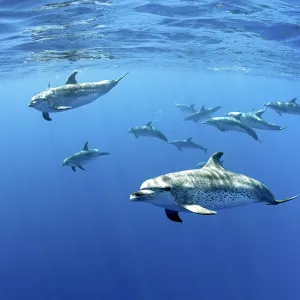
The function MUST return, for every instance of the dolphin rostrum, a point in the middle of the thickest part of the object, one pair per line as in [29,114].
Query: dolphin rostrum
[82,157]
[231,123]
[186,107]
[71,95]
[147,130]
[201,191]
[253,119]
[288,107]
[203,113]
[188,143]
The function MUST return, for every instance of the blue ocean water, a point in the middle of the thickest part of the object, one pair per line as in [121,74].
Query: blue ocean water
[67,235]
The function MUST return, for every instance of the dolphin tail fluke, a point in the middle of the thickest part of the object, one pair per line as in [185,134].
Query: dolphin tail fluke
[122,77]
[284,200]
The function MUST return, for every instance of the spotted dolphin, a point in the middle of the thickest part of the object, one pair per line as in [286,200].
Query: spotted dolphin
[186,107]
[288,107]
[71,95]
[253,119]
[202,191]
[147,130]
[83,157]
[203,113]
[188,143]
[231,123]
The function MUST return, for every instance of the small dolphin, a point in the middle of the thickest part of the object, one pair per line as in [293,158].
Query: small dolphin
[71,95]
[147,130]
[231,123]
[203,163]
[83,157]
[253,119]
[203,113]
[201,191]
[289,107]
[188,143]
[186,107]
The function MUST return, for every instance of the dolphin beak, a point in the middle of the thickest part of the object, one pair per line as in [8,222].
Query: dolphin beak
[30,104]
[141,195]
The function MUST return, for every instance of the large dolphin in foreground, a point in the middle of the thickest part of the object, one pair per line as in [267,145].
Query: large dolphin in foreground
[288,107]
[253,119]
[82,157]
[231,123]
[188,144]
[71,95]
[202,191]
[147,130]
[203,113]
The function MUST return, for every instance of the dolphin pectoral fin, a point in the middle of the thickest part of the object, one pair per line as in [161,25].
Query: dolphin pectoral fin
[72,79]
[136,135]
[46,116]
[179,149]
[61,107]
[80,167]
[197,209]
[73,168]
[279,113]
[173,215]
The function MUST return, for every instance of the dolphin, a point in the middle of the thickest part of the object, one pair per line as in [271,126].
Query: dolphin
[71,95]
[231,123]
[253,119]
[203,163]
[202,191]
[83,157]
[147,130]
[288,107]
[188,143]
[186,107]
[203,113]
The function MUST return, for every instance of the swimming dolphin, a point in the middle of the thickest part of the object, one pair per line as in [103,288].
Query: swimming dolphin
[203,113]
[231,123]
[186,107]
[83,157]
[201,191]
[188,143]
[253,119]
[203,163]
[147,130]
[289,107]
[71,95]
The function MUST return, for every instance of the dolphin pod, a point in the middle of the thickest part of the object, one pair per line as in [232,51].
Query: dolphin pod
[204,190]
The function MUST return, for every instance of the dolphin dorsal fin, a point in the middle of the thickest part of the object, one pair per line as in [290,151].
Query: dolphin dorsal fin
[260,112]
[189,139]
[202,108]
[72,79]
[86,147]
[149,124]
[192,105]
[293,100]
[214,160]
